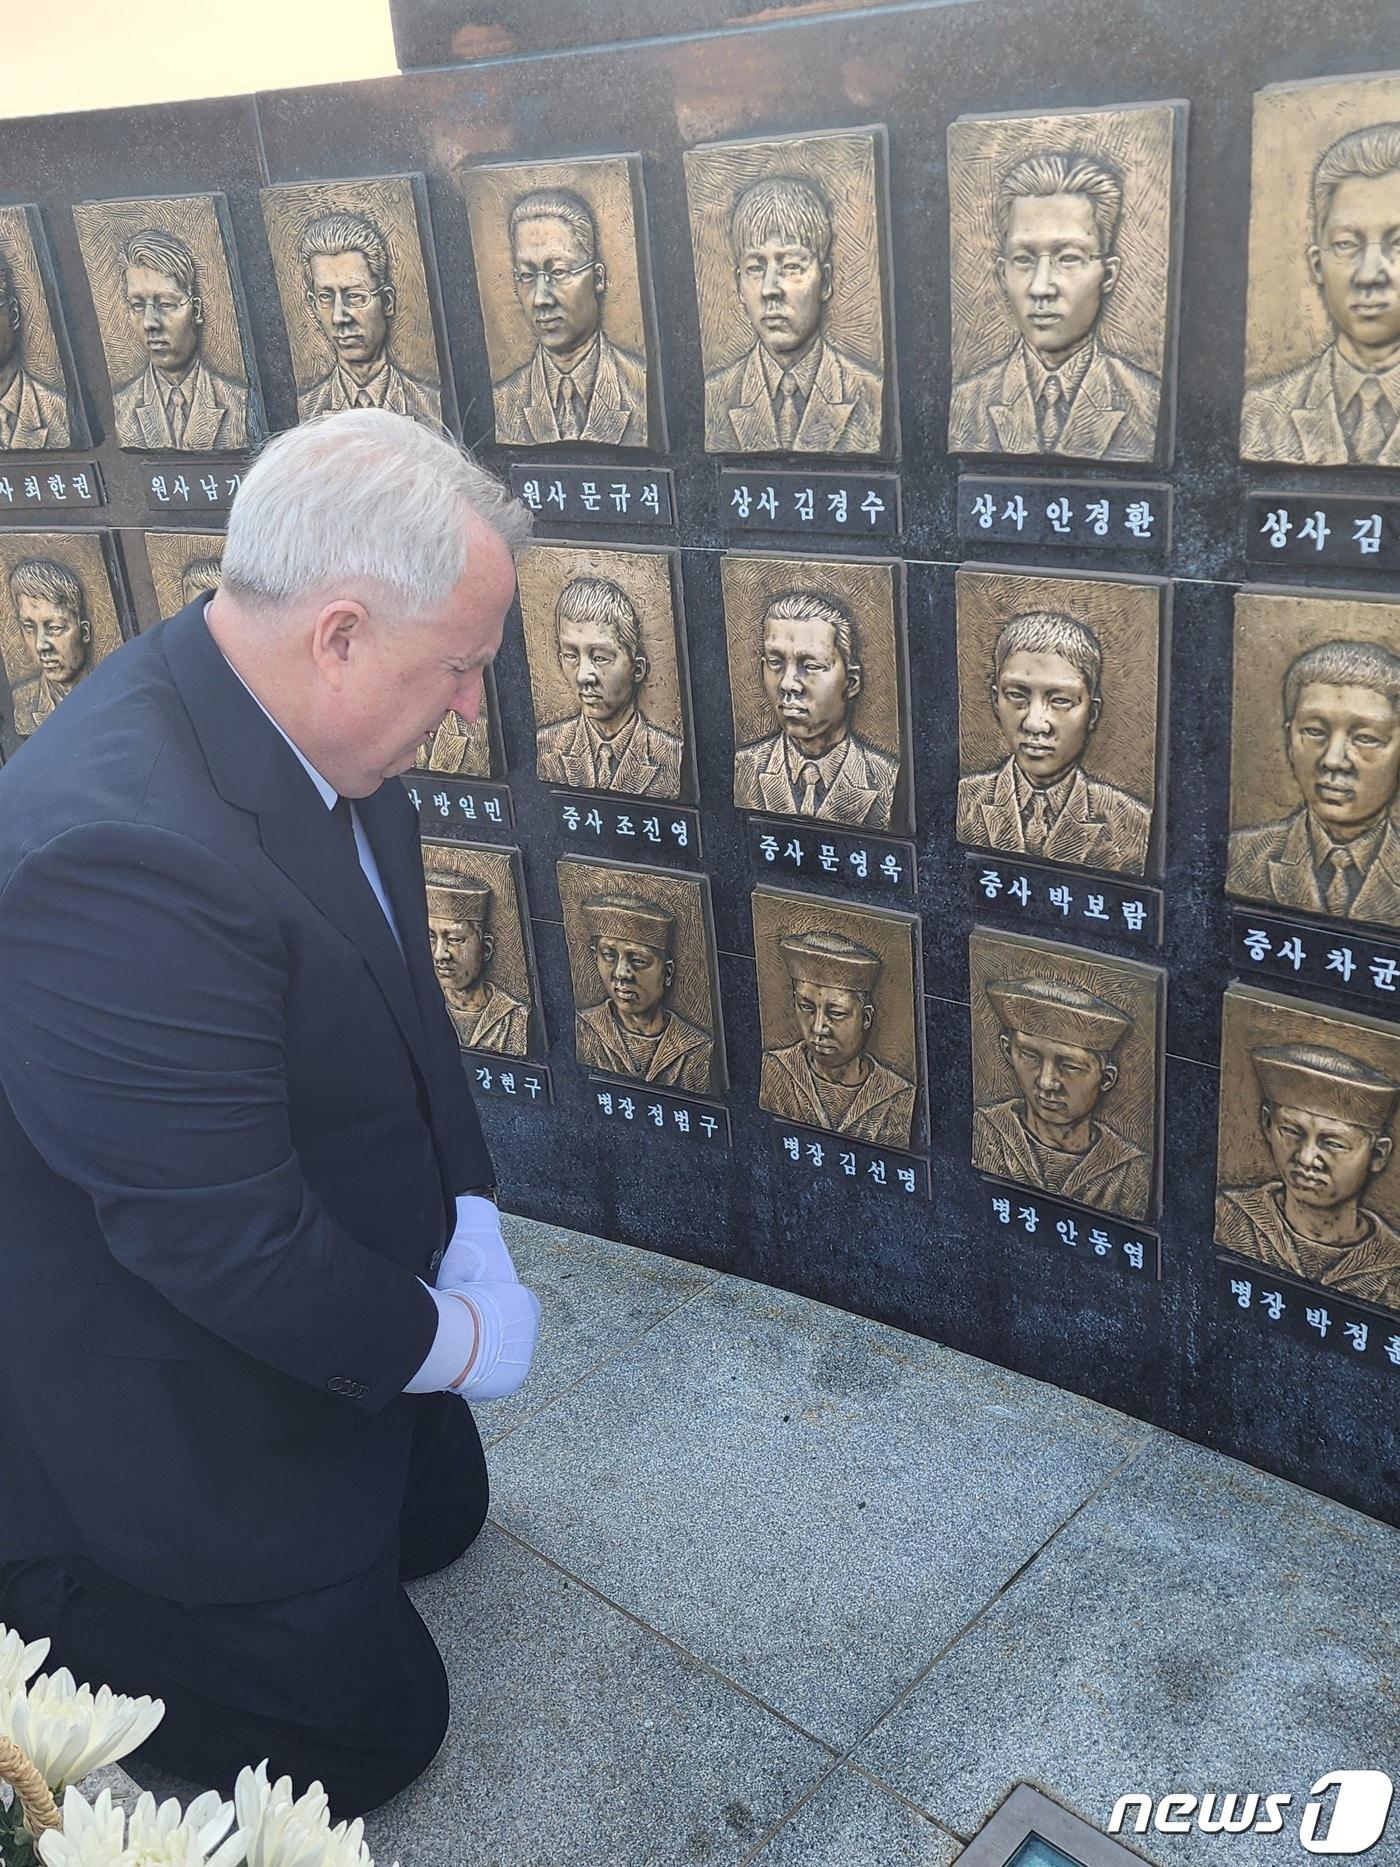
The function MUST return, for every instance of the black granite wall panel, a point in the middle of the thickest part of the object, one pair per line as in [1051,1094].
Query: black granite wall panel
[1169,1352]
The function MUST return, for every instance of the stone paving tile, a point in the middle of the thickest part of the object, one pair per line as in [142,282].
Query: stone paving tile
[812,1503]
[1199,1626]
[851,1822]
[580,1738]
[594,1298]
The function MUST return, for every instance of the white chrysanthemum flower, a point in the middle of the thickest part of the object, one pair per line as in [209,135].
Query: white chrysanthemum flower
[97,1835]
[67,1731]
[281,1830]
[18,1661]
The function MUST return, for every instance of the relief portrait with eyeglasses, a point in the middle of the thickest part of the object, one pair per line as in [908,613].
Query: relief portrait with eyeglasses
[577,385]
[1064,237]
[1060,389]
[177,401]
[1342,404]
[170,312]
[350,294]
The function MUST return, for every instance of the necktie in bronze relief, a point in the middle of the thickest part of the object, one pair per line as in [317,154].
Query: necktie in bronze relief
[1038,823]
[1052,418]
[1374,424]
[179,413]
[568,410]
[1342,862]
[809,778]
[789,414]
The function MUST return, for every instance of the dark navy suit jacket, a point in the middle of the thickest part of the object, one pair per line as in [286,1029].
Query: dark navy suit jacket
[232,1123]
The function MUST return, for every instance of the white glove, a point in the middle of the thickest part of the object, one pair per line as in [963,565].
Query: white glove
[476,1249]
[508,1320]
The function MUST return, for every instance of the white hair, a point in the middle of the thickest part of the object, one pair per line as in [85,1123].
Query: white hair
[362,497]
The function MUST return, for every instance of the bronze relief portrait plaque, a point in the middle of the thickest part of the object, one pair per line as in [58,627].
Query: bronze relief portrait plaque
[165,288]
[184,566]
[1315,755]
[356,298]
[59,615]
[39,403]
[479,932]
[1066,1071]
[466,748]
[642,962]
[790,246]
[562,269]
[1059,698]
[840,1017]
[1322,340]
[818,689]
[1307,1181]
[605,643]
[1064,235]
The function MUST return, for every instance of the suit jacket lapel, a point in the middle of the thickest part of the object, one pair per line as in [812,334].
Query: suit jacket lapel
[850,798]
[1379,895]
[1291,879]
[1013,416]
[636,771]
[391,825]
[539,410]
[751,413]
[31,430]
[150,414]
[1316,422]
[1077,835]
[1389,455]
[573,758]
[1093,420]
[254,768]
[607,412]
[1001,820]
[206,414]
[825,417]
[774,786]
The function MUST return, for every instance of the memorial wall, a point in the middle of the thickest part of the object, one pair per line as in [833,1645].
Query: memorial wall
[932,840]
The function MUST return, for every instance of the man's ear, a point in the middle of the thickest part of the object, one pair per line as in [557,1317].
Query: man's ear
[14,314]
[388,298]
[197,309]
[1108,1079]
[333,634]
[670,972]
[826,280]
[1095,709]
[853,681]
[1315,262]
[488,947]
[1111,265]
